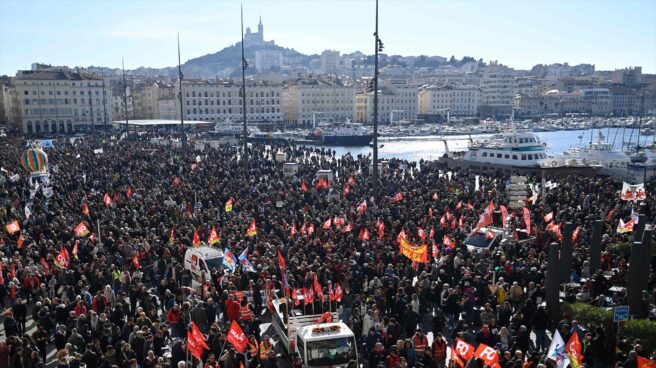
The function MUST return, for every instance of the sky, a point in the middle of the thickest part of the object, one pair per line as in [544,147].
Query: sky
[519,33]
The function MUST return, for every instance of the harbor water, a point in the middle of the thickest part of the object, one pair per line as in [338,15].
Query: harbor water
[432,147]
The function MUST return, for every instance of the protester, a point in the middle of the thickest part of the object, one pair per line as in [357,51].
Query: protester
[116,291]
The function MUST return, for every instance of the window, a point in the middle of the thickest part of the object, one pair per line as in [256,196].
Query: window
[484,154]
[530,156]
[507,156]
[523,157]
[499,155]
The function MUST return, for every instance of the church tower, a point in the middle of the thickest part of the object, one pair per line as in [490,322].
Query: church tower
[260,30]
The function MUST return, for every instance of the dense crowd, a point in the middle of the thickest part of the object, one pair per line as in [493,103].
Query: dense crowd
[126,300]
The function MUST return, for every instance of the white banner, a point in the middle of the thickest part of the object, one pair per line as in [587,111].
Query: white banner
[633,192]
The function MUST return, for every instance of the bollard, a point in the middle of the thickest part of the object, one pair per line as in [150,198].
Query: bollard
[565,262]
[553,283]
[633,288]
[595,248]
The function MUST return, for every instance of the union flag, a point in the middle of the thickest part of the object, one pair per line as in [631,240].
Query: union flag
[214,237]
[252,229]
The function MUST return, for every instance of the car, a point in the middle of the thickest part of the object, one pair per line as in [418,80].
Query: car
[490,237]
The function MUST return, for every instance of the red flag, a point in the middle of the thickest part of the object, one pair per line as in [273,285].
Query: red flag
[362,207]
[380,228]
[454,224]
[107,200]
[196,241]
[645,363]
[611,214]
[488,355]
[317,288]
[198,336]
[430,212]
[85,208]
[304,187]
[347,190]
[548,217]
[252,229]
[77,242]
[401,235]
[295,297]
[431,234]
[310,229]
[303,229]
[504,216]
[364,234]
[308,296]
[469,205]
[338,292]
[574,348]
[398,197]
[214,237]
[490,208]
[293,231]
[435,252]
[347,228]
[177,183]
[460,221]
[435,197]
[351,181]
[455,360]
[20,241]
[81,230]
[130,192]
[322,183]
[338,221]
[135,262]
[331,293]
[576,233]
[12,274]
[527,220]
[464,350]
[490,234]
[459,206]
[421,233]
[327,224]
[192,346]
[46,268]
[62,258]
[12,227]
[448,242]
[237,337]
[443,221]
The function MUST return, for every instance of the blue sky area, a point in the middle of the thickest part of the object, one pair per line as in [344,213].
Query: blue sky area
[608,33]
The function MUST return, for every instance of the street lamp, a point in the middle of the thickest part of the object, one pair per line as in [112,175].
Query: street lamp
[378,48]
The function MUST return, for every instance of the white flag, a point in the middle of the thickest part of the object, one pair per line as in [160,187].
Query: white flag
[27,212]
[557,351]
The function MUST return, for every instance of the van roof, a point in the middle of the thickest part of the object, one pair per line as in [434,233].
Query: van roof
[207,252]
[323,331]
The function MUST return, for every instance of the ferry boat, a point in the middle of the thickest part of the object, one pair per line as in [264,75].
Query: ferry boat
[613,162]
[342,134]
[514,151]
[227,129]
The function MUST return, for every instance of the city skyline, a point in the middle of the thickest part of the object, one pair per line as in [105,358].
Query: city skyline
[517,34]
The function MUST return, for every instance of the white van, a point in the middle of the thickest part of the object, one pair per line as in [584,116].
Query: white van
[203,261]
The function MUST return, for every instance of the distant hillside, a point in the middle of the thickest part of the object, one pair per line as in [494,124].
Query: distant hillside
[228,61]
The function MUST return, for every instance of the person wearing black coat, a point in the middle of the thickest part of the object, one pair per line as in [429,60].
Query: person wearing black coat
[11,326]
[377,355]
[177,353]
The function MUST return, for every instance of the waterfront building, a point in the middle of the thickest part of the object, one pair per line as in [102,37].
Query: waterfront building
[219,100]
[397,101]
[436,102]
[327,99]
[497,91]
[49,99]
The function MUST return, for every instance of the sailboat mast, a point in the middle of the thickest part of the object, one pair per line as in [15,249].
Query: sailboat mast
[182,135]
[244,65]
[125,100]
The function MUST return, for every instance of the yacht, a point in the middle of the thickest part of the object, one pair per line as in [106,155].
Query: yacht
[227,129]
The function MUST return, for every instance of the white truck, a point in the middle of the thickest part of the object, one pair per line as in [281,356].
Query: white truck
[202,261]
[329,344]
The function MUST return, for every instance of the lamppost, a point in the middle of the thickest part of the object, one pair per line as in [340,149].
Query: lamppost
[379,48]
[244,65]
[183,137]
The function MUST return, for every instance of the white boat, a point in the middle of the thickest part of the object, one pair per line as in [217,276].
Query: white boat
[613,162]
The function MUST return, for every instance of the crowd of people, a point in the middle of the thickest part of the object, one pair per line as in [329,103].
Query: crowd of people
[123,297]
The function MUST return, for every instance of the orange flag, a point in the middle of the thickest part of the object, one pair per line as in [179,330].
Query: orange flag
[252,229]
[20,241]
[12,227]
[85,209]
[107,200]
[214,237]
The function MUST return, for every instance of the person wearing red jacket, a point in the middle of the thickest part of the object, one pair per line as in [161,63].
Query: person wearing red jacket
[232,309]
